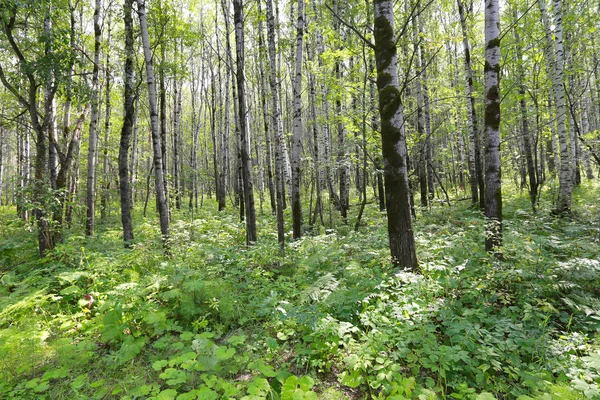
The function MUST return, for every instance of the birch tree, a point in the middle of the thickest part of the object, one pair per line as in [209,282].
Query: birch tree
[393,139]
[159,182]
[493,184]
[248,189]
[92,160]
[556,66]
[297,136]
[128,122]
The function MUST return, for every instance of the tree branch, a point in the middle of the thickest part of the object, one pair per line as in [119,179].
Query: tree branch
[351,27]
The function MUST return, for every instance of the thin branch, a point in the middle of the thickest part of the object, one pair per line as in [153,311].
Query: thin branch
[351,27]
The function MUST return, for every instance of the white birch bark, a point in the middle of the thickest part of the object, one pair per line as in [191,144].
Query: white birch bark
[493,185]
[161,198]
[556,53]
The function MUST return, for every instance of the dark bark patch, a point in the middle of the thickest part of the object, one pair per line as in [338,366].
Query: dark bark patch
[389,101]
[385,46]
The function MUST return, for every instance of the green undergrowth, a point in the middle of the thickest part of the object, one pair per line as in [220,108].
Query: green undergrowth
[329,318]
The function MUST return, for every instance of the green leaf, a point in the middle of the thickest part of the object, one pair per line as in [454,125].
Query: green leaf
[237,340]
[224,353]
[306,383]
[168,394]
[352,379]
[158,365]
[79,382]
[55,374]
[71,290]
[207,394]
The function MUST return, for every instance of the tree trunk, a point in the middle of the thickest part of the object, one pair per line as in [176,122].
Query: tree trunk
[107,111]
[555,51]
[393,139]
[531,170]
[126,130]
[493,185]
[476,175]
[297,135]
[243,123]
[93,141]
[163,122]
[163,207]
[263,103]
[277,124]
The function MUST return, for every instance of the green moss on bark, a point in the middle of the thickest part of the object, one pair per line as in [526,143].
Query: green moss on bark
[385,46]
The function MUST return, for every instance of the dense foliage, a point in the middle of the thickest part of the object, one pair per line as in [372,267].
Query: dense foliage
[329,318]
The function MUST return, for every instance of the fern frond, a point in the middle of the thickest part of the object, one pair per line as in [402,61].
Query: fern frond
[320,289]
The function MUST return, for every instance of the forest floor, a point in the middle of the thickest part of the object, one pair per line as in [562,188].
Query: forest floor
[329,318]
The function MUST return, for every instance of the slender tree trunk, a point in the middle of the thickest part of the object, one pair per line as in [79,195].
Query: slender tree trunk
[531,170]
[177,186]
[297,136]
[243,123]
[421,163]
[93,141]
[133,160]
[342,155]
[493,187]
[393,139]
[223,131]
[263,103]
[107,111]
[162,93]
[476,175]
[312,99]
[161,199]
[126,130]
[555,50]
[277,124]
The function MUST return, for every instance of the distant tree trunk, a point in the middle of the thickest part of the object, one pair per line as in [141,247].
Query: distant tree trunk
[223,131]
[312,99]
[243,123]
[161,199]
[93,141]
[342,155]
[493,186]
[133,161]
[107,111]
[277,124]
[126,130]
[393,139]
[556,53]
[263,103]
[162,93]
[476,175]
[177,136]
[230,179]
[196,116]
[421,163]
[297,136]
[531,170]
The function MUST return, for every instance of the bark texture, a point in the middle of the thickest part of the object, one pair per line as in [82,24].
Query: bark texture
[393,139]
[493,186]
[159,182]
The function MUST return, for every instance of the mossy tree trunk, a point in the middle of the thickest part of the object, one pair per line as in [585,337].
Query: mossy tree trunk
[393,139]
[126,130]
